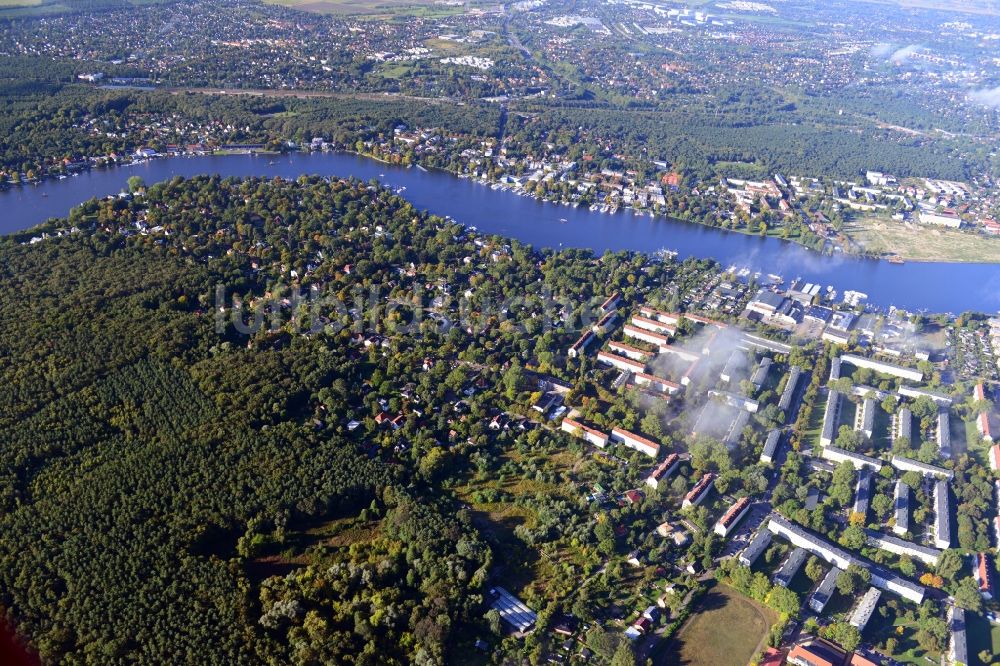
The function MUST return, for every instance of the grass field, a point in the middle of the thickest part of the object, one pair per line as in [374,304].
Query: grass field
[915,242]
[726,630]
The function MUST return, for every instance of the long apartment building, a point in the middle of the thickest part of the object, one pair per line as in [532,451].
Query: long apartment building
[620,362]
[944,434]
[699,491]
[882,578]
[653,325]
[863,611]
[884,368]
[911,465]
[902,424]
[864,418]
[660,316]
[901,498]
[958,646]
[859,460]
[658,384]
[736,400]
[760,374]
[863,492]
[821,596]
[770,446]
[942,515]
[628,351]
[592,435]
[732,516]
[785,403]
[892,544]
[663,470]
[634,441]
[580,346]
[790,566]
[756,547]
[637,333]
[830,416]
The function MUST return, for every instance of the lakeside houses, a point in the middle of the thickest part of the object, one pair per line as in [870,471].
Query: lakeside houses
[620,362]
[830,416]
[605,323]
[958,647]
[653,325]
[911,465]
[902,424]
[652,338]
[734,366]
[863,611]
[901,504]
[863,492]
[611,303]
[735,400]
[884,368]
[629,351]
[663,471]
[944,434]
[755,548]
[513,611]
[864,418]
[595,437]
[637,442]
[580,346]
[884,579]
[942,515]
[656,383]
[660,316]
[821,596]
[983,572]
[859,460]
[729,520]
[700,491]
[892,544]
[770,446]
[790,566]
[789,391]
[760,374]
[910,392]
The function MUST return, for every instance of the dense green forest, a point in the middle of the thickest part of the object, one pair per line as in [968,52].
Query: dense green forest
[163,472]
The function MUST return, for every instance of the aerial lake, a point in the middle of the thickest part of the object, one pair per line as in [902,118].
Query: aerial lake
[937,287]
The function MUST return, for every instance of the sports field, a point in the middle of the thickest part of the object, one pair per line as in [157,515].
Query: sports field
[726,629]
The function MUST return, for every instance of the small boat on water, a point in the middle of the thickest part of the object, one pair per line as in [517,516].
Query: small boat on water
[895,259]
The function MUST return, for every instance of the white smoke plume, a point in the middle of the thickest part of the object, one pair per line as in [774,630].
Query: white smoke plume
[987,96]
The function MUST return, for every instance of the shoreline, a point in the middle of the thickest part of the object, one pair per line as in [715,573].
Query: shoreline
[884,257]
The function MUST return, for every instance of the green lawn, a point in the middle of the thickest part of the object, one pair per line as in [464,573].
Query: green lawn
[726,629]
